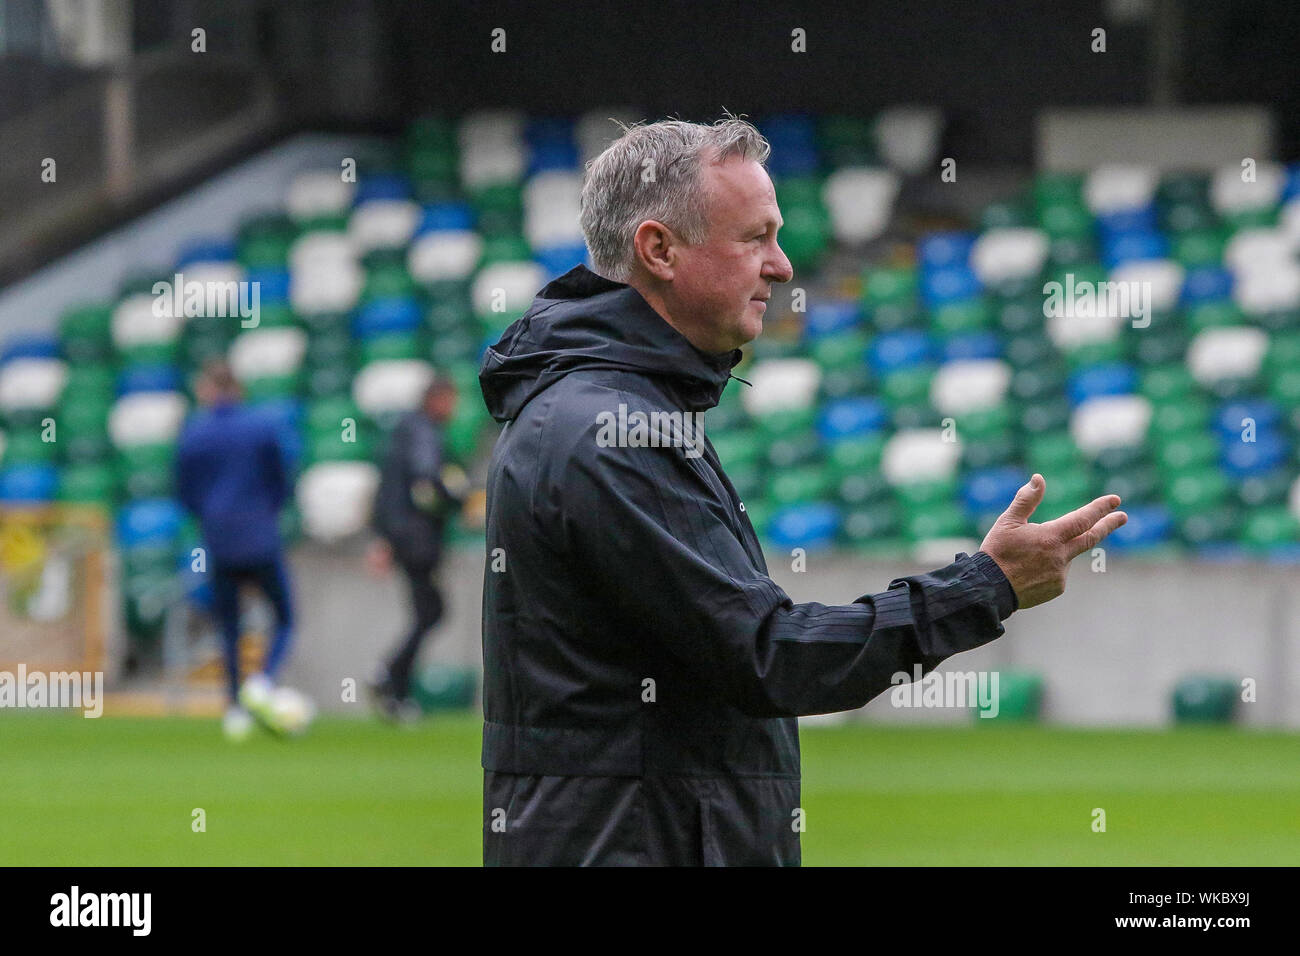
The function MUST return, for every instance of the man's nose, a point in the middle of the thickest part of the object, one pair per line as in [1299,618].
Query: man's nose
[778,269]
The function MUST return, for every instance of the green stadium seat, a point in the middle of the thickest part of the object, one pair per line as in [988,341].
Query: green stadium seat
[1200,699]
[798,485]
[442,687]
[85,334]
[1020,698]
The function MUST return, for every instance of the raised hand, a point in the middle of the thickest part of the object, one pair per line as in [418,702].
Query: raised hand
[1036,557]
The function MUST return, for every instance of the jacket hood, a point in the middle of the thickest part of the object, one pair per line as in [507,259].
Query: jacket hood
[582,321]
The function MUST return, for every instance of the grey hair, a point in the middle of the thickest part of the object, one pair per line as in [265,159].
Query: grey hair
[653,172]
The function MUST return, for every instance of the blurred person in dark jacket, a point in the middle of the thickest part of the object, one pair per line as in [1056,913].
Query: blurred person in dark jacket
[231,475]
[419,490]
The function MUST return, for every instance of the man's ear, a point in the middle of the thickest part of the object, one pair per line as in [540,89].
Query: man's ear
[655,247]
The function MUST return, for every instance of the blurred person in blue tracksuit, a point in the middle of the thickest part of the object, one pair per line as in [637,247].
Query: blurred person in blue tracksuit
[231,474]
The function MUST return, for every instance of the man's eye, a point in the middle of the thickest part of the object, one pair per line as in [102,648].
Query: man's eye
[761,235]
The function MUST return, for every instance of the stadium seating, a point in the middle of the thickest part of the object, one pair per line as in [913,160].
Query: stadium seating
[898,409]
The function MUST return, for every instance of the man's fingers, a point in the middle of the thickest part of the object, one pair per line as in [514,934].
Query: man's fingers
[1094,535]
[1081,519]
[1026,500]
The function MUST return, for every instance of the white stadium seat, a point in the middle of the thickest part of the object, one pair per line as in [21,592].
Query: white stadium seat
[444,254]
[908,137]
[1226,353]
[966,385]
[267,352]
[334,498]
[137,322]
[491,127]
[1275,289]
[1288,222]
[383,224]
[915,455]
[493,163]
[319,193]
[938,552]
[507,288]
[321,248]
[551,208]
[1011,253]
[596,129]
[334,288]
[1115,188]
[1109,421]
[1230,192]
[1261,248]
[1086,327]
[860,202]
[31,383]
[146,418]
[1162,277]
[782,385]
[391,385]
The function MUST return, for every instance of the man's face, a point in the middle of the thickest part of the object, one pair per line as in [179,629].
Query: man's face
[441,405]
[717,287]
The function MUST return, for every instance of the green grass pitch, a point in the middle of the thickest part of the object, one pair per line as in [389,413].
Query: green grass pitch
[121,791]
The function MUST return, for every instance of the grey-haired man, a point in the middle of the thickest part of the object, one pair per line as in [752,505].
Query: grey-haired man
[643,673]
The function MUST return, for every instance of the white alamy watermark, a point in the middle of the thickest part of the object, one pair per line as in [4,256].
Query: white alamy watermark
[651,430]
[190,298]
[948,689]
[1085,299]
[55,689]
[75,908]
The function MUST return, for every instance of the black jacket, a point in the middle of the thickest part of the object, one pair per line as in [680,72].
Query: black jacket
[412,502]
[642,671]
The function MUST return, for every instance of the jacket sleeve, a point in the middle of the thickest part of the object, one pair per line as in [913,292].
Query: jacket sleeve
[385,519]
[650,531]
[276,468]
[184,472]
[427,461]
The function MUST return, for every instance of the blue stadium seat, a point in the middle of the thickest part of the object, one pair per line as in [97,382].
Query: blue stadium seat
[810,526]
[383,316]
[1265,413]
[850,417]
[273,285]
[794,144]
[1148,525]
[557,260]
[831,318]
[1208,284]
[938,250]
[149,378]
[990,489]
[382,186]
[29,483]
[442,216]
[207,250]
[944,284]
[1136,219]
[1291,188]
[905,348]
[1242,459]
[549,131]
[1107,378]
[548,156]
[150,521]
[29,346]
[971,345]
[1123,247]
